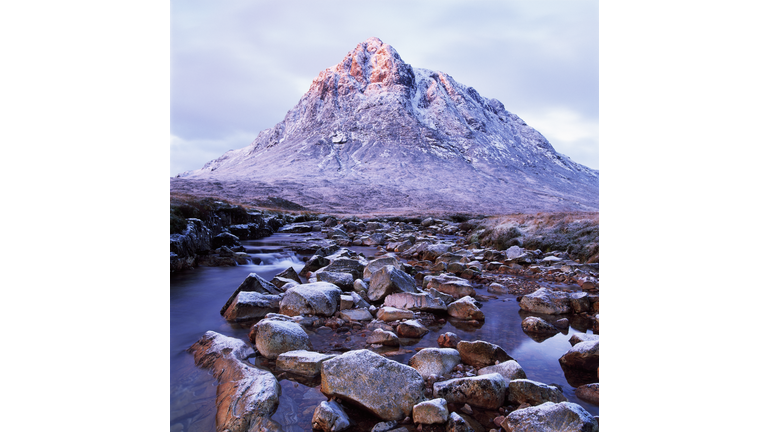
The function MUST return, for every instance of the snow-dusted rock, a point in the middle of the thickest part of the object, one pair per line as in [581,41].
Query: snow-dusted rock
[533,393]
[415,301]
[250,305]
[329,416]
[252,283]
[509,369]
[549,416]
[534,324]
[383,337]
[481,354]
[302,362]
[387,313]
[453,285]
[433,411]
[411,329]
[583,355]
[389,280]
[273,337]
[435,361]
[317,298]
[484,391]
[589,393]
[547,301]
[465,308]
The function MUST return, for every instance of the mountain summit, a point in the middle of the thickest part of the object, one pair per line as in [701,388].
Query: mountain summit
[374,134]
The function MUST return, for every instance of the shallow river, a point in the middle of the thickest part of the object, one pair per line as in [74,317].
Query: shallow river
[197,296]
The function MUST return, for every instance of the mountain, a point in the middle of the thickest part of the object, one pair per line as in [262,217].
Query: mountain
[374,134]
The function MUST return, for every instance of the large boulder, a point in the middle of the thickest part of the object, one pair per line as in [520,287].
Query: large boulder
[273,337]
[484,391]
[533,393]
[480,354]
[547,301]
[388,280]
[509,369]
[250,305]
[329,416]
[415,301]
[252,283]
[302,362]
[435,361]
[384,387]
[549,416]
[455,286]
[433,411]
[317,298]
[583,355]
[246,396]
[466,308]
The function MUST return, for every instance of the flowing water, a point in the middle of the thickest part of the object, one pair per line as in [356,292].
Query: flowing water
[197,295]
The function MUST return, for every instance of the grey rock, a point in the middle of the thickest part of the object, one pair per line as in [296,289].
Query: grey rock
[533,324]
[250,305]
[317,298]
[509,369]
[484,391]
[533,393]
[330,417]
[383,337]
[416,301]
[465,308]
[435,361]
[302,362]
[583,355]
[547,301]
[388,280]
[378,263]
[549,416]
[273,337]
[481,354]
[252,283]
[433,411]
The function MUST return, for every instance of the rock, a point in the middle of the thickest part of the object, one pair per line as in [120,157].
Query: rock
[433,411]
[330,417]
[387,314]
[562,323]
[484,391]
[346,265]
[356,315]
[582,337]
[388,280]
[431,252]
[317,298]
[533,393]
[580,302]
[283,283]
[547,301]
[273,337]
[480,354]
[246,396]
[302,362]
[346,302]
[379,263]
[587,282]
[385,387]
[453,285]
[533,324]
[344,281]
[415,301]
[448,340]
[252,283]
[383,337]
[583,355]
[225,239]
[509,369]
[435,361]
[249,305]
[465,308]
[411,329]
[549,416]
[314,263]
[589,393]
[384,426]
[462,423]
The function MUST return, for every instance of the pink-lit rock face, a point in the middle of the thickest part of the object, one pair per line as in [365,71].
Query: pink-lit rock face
[374,133]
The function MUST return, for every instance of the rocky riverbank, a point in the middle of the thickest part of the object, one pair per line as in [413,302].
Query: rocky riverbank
[338,323]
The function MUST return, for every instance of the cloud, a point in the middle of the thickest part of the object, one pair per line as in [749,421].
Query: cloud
[570,133]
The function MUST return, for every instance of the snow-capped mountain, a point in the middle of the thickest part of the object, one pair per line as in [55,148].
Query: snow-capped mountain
[374,134]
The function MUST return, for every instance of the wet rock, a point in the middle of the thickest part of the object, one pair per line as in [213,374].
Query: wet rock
[448,340]
[587,282]
[246,397]
[379,263]
[411,329]
[302,362]
[330,417]
[389,280]
[289,273]
[485,391]
[273,337]
[433,411]
[589,393]
[225,239]
[383,337]
[250,305]
[465,308]
[448,284]
[317,298]
[415,301]
[356,315]
[580,302]
[533,393]
[533,324]
[344,281]
[509,369]
[549,416]
[480,354]
[387,313]
[547,301]
[582,337]
[354,376]
[314,263]
[252,283]
[562,323]
[583,355]
[435,361]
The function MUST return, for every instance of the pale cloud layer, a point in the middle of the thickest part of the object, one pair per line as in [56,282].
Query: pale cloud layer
[237,67]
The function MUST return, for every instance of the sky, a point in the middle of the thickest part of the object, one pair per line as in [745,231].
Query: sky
[237,67]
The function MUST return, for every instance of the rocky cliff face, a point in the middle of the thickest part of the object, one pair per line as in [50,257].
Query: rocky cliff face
[375,134]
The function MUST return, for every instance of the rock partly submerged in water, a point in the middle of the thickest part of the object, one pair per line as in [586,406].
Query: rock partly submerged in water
[273,337]
[533,392]
[246,396]
[480,354]
[583,355]
[485,391]
[549,416]
[509,369]
[384,387]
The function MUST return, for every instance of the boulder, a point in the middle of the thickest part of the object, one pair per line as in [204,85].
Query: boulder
[387,313]
[433,411]
[582,337]
[466,308]
[344,281]
[355,315]
[250,305]
[384,387]
[435,361]
[383,337]
[484,391]
[317,298]
[252,283]
[246,396]
[415,301]
[509,369]
[533,324]
[302,362]
[224,239]
[455,286]
[388,280]
[379,263]
[411,329]
[547,301]
[533,393]
[273,337]
[589,393]
[352,266]
[583,355]
[549,416]
[329,416]
[480,354]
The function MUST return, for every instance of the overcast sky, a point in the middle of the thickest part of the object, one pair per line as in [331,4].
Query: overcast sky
[237,67]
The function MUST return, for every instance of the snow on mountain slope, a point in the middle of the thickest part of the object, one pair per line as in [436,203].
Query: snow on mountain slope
[374,134]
